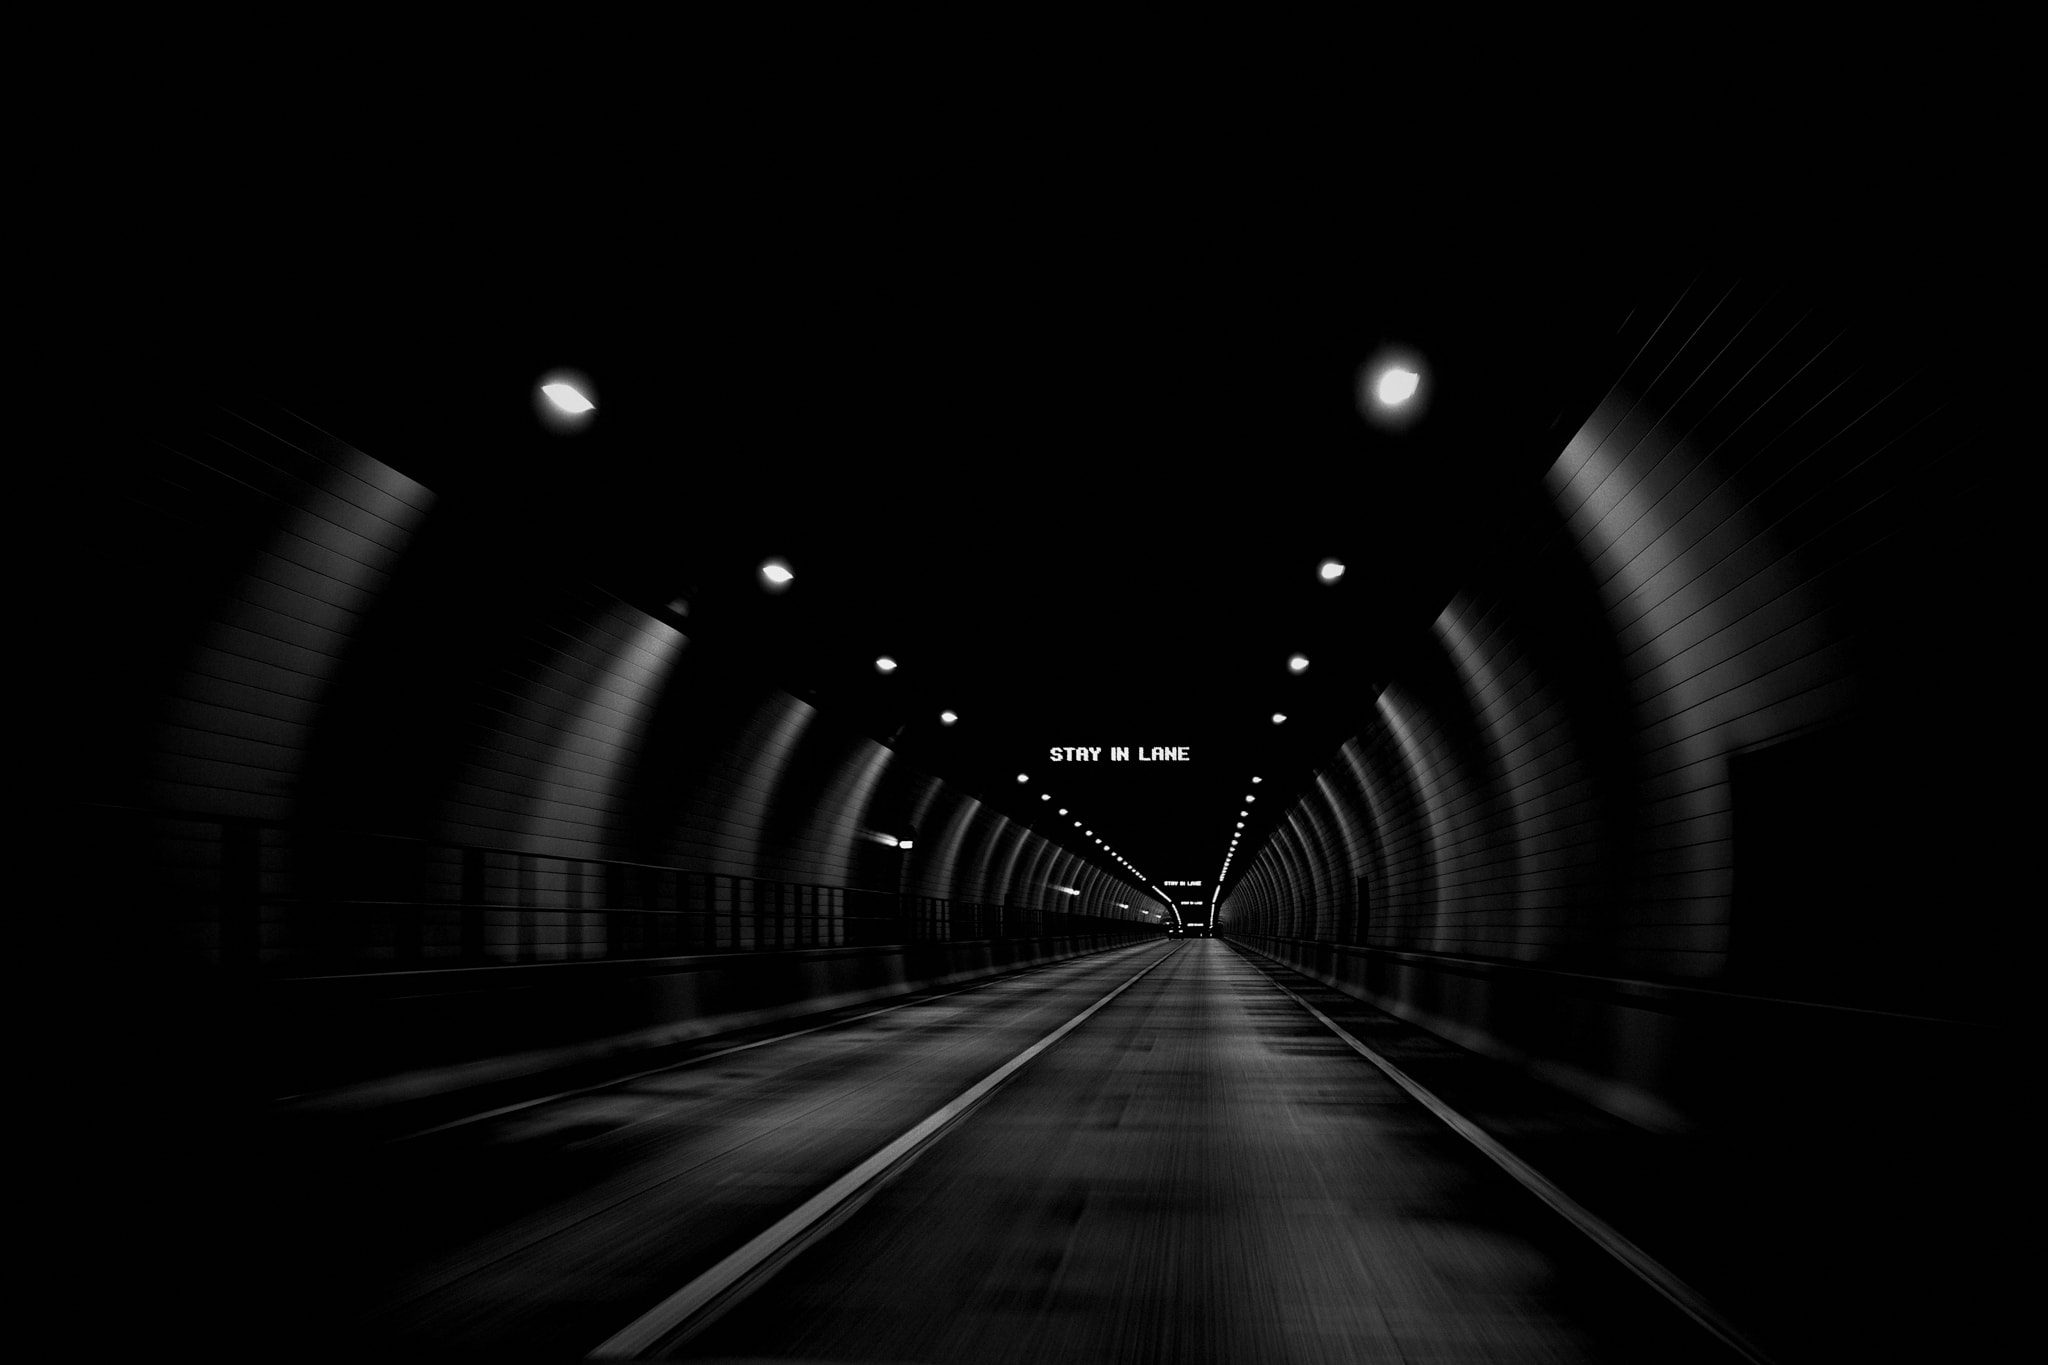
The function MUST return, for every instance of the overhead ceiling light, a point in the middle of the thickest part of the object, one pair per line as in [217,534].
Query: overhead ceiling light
[1397,386]
[563,401]
[1330,571]
[1279,719]
[568,398]
[775,574]
[1250,797]
[1047,796]
[1063,810]
[885,664]
[947,717]
[1391,390]
[1258,779]
[1023,777]
[1297,664]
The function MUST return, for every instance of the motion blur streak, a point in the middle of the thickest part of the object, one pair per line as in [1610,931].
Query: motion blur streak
[1203,1173]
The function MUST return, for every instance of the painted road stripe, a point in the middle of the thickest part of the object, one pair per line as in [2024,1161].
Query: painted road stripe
[675,1311]
[618,1081]
[1650,1271]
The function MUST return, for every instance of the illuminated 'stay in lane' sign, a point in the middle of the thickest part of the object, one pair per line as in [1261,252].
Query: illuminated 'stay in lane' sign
[1122,753]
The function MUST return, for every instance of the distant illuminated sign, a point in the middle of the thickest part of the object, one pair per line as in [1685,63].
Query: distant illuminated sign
[1120,753]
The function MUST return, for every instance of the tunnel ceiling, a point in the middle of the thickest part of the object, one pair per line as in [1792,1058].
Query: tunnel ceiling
[1082,506]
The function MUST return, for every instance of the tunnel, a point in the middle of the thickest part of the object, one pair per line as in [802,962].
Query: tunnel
[1102,811]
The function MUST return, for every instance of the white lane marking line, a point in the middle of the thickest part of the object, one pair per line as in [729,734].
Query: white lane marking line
[678,1308]
[1646,1268]
[503,1110]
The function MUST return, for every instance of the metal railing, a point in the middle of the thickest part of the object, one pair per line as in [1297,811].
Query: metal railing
[287,898]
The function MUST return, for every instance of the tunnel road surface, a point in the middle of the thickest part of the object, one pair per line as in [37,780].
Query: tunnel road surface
[1151,1154]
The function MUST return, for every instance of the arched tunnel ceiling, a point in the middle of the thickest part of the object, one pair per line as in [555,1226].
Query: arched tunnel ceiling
[1082,508]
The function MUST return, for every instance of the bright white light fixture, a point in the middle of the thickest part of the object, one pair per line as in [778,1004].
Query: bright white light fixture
[885,664]
[564,401]
[1391,394]
[1279,719]
[1297,664]
[1023,777]
[947,717]
[1330,571]
[567,398]
[775,574]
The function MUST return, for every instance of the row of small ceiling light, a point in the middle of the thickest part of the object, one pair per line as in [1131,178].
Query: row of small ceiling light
[566,403]
[1328,572]
[776,575]
[1392,391]
[1395,387]
[1107,849]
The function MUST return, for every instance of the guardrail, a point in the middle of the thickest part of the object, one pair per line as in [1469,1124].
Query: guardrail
[277,897]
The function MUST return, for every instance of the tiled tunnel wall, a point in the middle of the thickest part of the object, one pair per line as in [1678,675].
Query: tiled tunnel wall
[351,728]
[1699,740]
[367,667]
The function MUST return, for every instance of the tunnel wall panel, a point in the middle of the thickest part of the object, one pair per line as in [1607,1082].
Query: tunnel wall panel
[380,734]
[1709,570]
[834,823]
[450,720]
[234,726]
